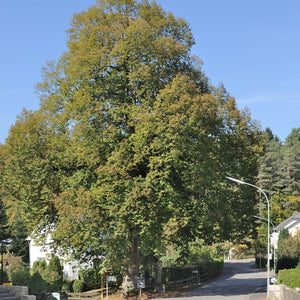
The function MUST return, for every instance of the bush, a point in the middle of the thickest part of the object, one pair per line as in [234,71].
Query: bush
[17,271]
[21,277]
[215,267]
[78,286]
[286,262]
[52,279]
[14,264]
[67,286]
[54,275]
[37,285]
[39,264]
[5,276]
[290,278]
[90,278]
[55,266]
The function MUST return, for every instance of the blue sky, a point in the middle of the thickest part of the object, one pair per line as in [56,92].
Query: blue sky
[252,47]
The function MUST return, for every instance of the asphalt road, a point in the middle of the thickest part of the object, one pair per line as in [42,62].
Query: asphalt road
[240,281]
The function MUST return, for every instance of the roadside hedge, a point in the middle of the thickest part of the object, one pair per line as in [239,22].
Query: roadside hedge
[289,277]
[286,262]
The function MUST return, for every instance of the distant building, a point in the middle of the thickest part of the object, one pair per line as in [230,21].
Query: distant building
[70,267]
[292,224]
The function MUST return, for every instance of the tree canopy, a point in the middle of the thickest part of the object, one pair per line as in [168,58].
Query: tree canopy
[131,143]
[279,172]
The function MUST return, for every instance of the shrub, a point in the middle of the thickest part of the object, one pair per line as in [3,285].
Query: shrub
[54,274]
[215,267]
[261,261]
[290,278]
[39,264]
[14,263]
[17,272]
[286,262]
[52,279]
[67,286]
[5,276]
[55,266]
[90,278]
[37,285]
[21,277]
[78,286]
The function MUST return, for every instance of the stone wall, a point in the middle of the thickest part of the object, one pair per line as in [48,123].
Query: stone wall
[282,292]
[287,293]
[274,292]
[19,291]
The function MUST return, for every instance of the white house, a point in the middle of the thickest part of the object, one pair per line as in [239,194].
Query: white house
[70,267]
[292,224]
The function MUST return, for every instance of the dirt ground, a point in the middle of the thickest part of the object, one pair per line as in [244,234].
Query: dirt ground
[150,294]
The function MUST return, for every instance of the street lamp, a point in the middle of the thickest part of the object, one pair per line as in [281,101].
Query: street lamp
[2,262]
[268,259]
[274,243]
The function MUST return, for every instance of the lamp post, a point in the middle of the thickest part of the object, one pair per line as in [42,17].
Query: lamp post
[2,262]
[257,217]
[268,204]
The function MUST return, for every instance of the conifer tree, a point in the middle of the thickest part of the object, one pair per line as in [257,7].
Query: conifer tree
[291,170]
[19,245]
[270,163]
[4,228]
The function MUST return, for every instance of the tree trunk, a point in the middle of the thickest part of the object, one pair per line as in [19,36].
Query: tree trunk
[130,279]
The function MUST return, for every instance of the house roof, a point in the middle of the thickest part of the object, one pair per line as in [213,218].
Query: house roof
[289,223]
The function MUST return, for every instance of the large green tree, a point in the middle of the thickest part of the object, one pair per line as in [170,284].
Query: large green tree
[130,146]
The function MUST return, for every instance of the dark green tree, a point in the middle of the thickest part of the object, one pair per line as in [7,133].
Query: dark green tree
[270,165]
[19,244]
[4,228]
[291,169]
[55,267]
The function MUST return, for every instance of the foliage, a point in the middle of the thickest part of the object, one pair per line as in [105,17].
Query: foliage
[128,151]
[211,268]
[199,253]
[56,274]
[290,278]
[91,278]
[279,173]
[215,267]
[21,276]
[39,264]
[287,262]
[78,286]
[261,261]
[210,259]
[17,271]
[205,258]
[52,279]
[55,265]
[52,274]
[37,285]
[4,228]
[19,245]
[5,276]
[14,262]
[67,286]
[287,245]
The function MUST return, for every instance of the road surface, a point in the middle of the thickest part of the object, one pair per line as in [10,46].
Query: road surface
[241,281]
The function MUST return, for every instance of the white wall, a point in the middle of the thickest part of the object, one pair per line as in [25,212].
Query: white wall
[70,267]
